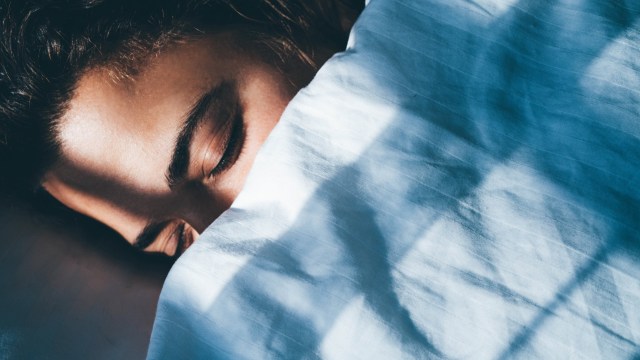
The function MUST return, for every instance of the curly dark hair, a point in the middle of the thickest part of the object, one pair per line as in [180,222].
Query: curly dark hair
[46,45]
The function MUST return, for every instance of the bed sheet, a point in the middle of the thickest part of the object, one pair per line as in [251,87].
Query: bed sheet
[461,182]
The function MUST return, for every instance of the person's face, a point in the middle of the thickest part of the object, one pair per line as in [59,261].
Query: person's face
[160,156]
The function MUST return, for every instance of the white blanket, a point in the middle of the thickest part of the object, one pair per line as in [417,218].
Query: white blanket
[462,182]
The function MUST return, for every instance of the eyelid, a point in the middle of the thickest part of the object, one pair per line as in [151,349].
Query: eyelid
[226,135]
[218,103]
[150,234]
[185,235]
[174,239]
[160,237]
[215,147]
[234,143]
[179,234]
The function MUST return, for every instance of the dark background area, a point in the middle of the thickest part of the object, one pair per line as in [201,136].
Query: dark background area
[70,288]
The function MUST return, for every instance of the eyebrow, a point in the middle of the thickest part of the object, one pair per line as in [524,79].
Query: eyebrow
[149,234]
[179,165]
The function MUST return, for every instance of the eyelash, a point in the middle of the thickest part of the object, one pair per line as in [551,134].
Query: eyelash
[179,234]
[232,151]
[180,237]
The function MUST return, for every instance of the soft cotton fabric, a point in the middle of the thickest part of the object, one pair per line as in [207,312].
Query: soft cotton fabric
[461,182]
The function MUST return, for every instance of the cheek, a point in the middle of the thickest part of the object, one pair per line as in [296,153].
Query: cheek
[128,224]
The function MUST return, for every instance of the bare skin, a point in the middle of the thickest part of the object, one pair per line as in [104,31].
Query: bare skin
[119,140]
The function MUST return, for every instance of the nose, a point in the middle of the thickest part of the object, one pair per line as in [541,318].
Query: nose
[204,209]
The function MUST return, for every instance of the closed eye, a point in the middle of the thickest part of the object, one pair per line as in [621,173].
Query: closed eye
[234,142]
[171,237]
[220,105]
[149,234]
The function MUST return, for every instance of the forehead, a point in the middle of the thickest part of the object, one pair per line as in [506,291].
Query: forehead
[124,129]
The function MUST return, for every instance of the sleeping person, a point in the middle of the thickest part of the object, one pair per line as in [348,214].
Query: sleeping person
[460,182]
[147,115]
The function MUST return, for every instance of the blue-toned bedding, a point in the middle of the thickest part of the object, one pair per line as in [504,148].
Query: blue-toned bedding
[461,182]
